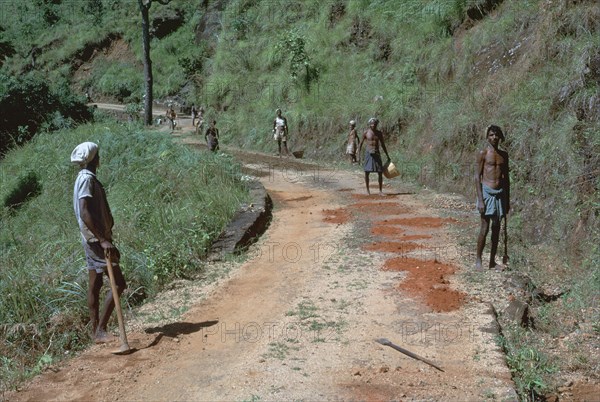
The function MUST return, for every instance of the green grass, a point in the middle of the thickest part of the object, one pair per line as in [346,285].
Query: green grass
[169,203]
[305,310]
[531,368]
[278,350]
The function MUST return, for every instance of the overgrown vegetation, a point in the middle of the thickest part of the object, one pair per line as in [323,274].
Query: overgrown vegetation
[435,72]
[30,104]
[169,204]
[531,368]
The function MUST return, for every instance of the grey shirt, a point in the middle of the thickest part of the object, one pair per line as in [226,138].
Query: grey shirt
[88,186]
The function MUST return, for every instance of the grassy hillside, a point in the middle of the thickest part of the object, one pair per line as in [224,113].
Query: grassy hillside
[435,72]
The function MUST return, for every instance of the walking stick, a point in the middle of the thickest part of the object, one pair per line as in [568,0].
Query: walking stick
[124,349]
[505,236]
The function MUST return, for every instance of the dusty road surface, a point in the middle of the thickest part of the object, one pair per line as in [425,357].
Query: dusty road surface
[298,318]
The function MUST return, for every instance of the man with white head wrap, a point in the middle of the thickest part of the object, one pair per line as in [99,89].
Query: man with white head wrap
[84,153]
[373,138]
[95,224]
[352,142]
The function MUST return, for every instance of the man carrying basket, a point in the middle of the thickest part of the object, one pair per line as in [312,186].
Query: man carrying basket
[373,138]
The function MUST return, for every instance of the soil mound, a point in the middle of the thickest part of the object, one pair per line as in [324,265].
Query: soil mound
[428,280]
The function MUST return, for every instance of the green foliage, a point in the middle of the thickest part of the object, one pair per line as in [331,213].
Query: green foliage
[292,45]
[29,103]
[169,203]
[95,9]
[530,366]
[121,80]
[6,48]
[27,187]
[192,66]
[133,110]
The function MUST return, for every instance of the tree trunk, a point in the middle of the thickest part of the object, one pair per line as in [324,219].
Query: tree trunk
[148,98]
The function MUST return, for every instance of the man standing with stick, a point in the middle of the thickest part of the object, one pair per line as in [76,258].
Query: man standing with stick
[95,224]
[493,194]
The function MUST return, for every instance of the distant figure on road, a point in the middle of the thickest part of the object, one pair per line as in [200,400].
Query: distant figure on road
[212,136]
[200,121]
[95,224]
[373,137]
[493,194]
[352,142]
[194,112]
[171,116]
[280,132]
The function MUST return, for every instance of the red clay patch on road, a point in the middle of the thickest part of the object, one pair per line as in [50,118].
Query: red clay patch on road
[415,237]
[424,222]
[339,215]
[380,208]
[387,230]
[392,246]
[428,280]
[396,233]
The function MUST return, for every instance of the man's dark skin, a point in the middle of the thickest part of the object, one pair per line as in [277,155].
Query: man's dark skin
[285,133]
[100,321]
[352,136]
[372,137]
[492,170]
[214,132]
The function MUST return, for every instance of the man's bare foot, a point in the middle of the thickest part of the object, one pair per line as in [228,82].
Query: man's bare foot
[103,337]
[496,266]
[478,265]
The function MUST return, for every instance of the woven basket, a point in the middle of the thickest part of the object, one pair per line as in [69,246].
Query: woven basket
[390,171]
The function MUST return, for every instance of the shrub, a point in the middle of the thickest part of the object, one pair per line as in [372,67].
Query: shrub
[29,103]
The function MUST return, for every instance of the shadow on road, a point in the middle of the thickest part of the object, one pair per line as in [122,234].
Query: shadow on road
[180,328]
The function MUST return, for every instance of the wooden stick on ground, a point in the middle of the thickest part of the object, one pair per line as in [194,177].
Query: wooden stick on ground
[386,342]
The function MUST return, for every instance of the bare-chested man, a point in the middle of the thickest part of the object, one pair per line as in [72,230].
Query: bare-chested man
[373,138]
[212,136]
[171,116]
[493,193]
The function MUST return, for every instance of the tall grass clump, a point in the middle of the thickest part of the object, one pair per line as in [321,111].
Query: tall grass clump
[169,203]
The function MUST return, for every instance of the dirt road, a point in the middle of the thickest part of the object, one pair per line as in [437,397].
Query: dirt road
[297,320]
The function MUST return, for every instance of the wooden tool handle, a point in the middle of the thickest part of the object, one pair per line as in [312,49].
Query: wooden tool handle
[115,293]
